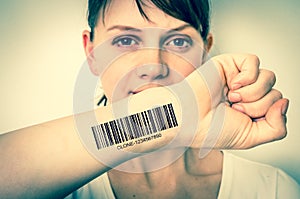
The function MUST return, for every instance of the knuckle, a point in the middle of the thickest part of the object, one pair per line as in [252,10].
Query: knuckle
[271,78]
[254,58]
[254,111]
[277,94]
[268,76]
[282,134]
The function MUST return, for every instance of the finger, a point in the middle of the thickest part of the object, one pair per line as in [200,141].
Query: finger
[273,127]
[253,92]
[240,132]
[248,65]
[259,108]
[239,69]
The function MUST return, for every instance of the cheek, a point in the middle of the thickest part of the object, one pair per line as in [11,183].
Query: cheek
[114,87]
[184,68]
[109,80]
[183,64]
[116,77]
[107,85]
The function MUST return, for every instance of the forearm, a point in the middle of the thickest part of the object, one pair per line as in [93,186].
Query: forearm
[49,159]
[45,160]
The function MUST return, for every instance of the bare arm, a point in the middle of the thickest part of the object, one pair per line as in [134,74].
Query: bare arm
[49,160]
[45,160]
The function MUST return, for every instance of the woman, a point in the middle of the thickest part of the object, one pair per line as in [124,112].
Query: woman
[130,26]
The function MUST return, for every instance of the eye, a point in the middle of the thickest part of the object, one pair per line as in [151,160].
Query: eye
[178,43]
[130,42]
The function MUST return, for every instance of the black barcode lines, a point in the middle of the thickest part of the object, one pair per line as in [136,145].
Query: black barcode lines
[134,126]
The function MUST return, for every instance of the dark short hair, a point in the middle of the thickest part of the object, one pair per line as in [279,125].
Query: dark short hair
[194,12]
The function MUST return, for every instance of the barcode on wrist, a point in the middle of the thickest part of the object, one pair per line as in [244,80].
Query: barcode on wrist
[134,126]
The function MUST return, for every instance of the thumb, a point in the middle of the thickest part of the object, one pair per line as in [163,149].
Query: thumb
[230,129]
[274,125]
[248,133]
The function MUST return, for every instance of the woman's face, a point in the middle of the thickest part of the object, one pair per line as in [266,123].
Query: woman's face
[131,54]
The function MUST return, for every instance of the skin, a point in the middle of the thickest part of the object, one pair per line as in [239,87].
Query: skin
[139,70]
[113,79]
[48,160]
[134,82]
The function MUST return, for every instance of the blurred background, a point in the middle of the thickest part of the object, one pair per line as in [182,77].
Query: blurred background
[41,54]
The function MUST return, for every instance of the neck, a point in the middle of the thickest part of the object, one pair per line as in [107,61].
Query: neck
[188,159]
[211,164]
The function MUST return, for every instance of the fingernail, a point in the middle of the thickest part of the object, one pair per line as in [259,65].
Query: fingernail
[238,107]
[236,86]
[235,97]
[284,107]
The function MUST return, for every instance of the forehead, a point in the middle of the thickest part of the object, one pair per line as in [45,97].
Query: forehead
[126,12]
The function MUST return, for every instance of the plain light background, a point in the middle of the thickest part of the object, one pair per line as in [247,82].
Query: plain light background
[41,53]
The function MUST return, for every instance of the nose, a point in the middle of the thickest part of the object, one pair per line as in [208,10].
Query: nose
[152,71]
[153,67]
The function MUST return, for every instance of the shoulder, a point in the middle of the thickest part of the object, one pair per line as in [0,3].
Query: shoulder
[251,179]
[287,187]
[98,188]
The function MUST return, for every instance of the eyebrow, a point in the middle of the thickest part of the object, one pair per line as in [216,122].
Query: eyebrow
[129,28]
[182,27]
[122,27]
